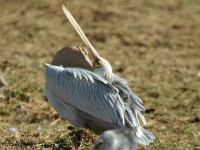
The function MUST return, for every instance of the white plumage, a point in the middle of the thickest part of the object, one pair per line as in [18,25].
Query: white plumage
[94,98]
[88,100]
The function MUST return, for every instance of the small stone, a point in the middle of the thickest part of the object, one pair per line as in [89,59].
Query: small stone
[119,69]
[198,74]
[13,130]
[149,110]
[195,120]
[2,97]
[56,145]
[22,108]
[39,129]
[2,82]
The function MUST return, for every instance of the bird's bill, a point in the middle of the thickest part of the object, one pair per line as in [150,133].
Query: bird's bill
[80,32]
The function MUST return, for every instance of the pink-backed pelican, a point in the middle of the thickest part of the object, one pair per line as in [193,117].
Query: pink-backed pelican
[90,95]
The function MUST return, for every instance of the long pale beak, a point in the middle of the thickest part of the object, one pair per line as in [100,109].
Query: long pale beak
[80,32]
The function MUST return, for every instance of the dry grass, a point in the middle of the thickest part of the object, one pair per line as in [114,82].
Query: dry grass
[154,45]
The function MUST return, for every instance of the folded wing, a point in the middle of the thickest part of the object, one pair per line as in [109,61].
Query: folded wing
[87,100]
[84,91]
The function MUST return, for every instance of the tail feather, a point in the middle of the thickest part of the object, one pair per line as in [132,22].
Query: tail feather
[144,136]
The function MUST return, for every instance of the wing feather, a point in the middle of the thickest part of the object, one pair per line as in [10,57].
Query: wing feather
[92,96]
[87,100]
[132,101]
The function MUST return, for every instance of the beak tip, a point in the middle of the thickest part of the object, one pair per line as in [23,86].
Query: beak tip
[45,64]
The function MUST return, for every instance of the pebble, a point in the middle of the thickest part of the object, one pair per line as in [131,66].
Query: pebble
[198,74]
[39,129]
[2,82]
[22,108]
[56,145]
[13,130]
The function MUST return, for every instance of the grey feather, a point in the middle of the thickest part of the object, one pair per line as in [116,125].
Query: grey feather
[76,92]
[129,97]
[87,100]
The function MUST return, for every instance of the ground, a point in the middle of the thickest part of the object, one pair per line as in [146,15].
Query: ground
[154,45]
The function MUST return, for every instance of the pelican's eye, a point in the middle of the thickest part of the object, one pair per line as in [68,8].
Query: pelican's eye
[98,63]
[99,144]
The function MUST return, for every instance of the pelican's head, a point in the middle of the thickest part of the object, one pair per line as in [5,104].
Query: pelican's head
[117,139]
[100,66]
[78,57]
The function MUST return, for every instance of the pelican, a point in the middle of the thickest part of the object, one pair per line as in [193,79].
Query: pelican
[89,95]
